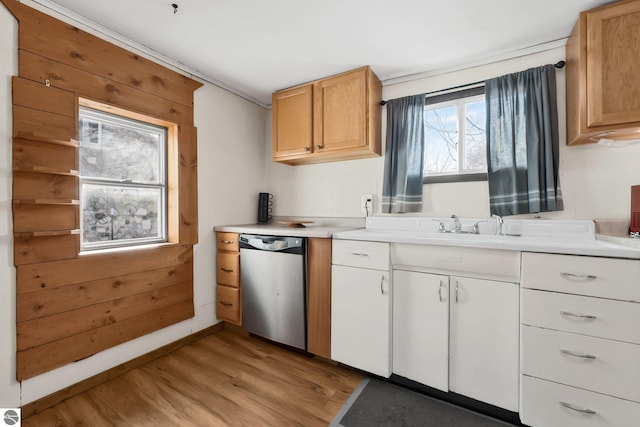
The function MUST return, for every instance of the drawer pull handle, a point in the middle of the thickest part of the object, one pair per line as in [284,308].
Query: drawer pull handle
[227,242]
[579,316]
[579,276]
[359,254]
[581,355]
[577,409]
[226,270]
[226,304]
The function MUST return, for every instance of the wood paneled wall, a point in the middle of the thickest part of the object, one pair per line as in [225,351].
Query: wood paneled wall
[71,305]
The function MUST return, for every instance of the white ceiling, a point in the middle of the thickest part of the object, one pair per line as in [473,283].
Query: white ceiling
[255,47]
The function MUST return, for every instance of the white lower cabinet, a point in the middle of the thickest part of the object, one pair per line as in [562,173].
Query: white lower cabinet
[484,341]
[361,318]
[549,404]
[421,328]
[459,334]
[580,341]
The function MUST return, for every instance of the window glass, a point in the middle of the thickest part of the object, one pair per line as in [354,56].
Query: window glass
[475,150]
[122,180]
[441,135]
[455,143]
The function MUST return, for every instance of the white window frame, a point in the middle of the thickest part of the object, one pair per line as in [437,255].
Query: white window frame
[458,99]
[108,117]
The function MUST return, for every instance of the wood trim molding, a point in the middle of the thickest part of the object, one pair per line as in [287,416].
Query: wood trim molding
[77,388]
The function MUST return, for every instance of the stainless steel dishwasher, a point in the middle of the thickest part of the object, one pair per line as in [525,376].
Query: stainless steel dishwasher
[272,271]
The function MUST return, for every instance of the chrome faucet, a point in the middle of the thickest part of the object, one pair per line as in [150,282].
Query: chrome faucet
[499,222]
[457,227]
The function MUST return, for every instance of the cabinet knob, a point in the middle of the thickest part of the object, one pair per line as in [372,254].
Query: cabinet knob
[319,147]
[307,149]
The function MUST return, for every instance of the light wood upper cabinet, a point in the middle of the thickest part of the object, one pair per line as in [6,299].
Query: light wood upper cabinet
[340,110]
[292,112]
[603,85]
[337,118]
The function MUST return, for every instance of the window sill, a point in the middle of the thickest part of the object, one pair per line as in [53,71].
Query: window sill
[128,249]
[468,177]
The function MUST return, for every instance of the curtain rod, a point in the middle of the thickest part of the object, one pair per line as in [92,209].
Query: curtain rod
[559,64]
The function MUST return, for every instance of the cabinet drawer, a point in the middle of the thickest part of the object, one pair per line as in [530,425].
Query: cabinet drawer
[582,275]
[228,304]
[361,254]
[228,269]
[599,365]
[228,242]
[542,406]
[489,264]
[603,318]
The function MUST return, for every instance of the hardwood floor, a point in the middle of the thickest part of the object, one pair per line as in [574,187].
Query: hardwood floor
[224,379]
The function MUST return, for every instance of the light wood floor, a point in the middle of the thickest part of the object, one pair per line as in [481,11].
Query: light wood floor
[222,379]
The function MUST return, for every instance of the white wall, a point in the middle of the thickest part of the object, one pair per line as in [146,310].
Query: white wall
[594,180]
[230,174]
[9,387]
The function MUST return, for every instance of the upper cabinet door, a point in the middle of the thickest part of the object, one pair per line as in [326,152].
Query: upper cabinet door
[336,118]
[340,112]
[292,111]
[613,60]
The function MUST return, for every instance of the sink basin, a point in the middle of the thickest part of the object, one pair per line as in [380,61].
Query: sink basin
[538,235]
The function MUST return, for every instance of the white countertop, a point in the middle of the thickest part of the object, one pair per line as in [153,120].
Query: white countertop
[320,227]
[548,236]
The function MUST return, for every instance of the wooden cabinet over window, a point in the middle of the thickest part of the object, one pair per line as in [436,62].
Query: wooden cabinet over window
[603,83]
[337,118]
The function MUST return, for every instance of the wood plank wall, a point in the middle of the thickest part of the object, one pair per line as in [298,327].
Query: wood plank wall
[70,306]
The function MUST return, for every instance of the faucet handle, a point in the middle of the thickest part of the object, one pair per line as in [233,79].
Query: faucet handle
[476,229]
[499,222]
[441,228]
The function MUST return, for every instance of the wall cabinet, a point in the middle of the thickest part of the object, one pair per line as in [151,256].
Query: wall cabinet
[580,343]
[459,334]
[228,292]
[337,118]
[361,306]
[603,56]
[292,117]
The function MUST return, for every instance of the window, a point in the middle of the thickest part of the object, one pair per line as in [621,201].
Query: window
[455,143]
[123,180]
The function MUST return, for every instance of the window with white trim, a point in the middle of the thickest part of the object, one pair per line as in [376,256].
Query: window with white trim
[455,140]
[123,180]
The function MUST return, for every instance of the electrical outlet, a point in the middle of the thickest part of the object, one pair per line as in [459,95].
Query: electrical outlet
[366,204]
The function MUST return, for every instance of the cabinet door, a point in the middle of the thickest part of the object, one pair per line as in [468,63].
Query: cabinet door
[360,319]
[292,122]
[340,112]
[484,341]
[613,59]
[421,328]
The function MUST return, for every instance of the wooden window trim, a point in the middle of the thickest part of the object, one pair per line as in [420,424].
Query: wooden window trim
[173,156]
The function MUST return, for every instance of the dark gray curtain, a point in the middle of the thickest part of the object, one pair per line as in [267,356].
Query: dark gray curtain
[404,155]
[522,142]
